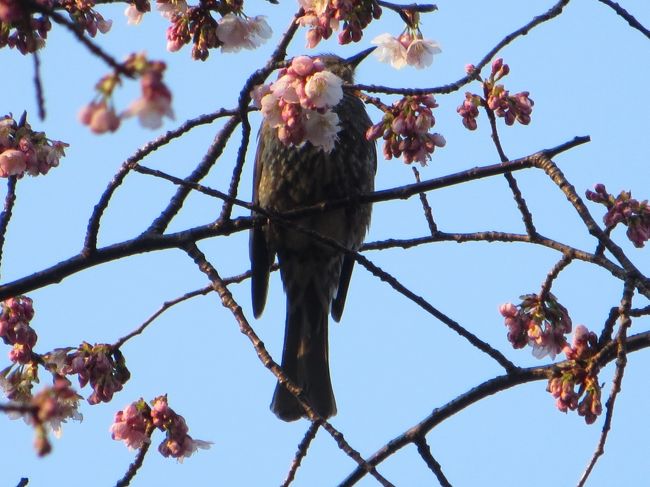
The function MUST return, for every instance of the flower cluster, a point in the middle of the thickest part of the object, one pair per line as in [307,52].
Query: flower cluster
[18,379]
[624,209]
[323,17]
[563,389]
[580,380]
[135,423]
[24,151]
[511,108]
[51,407]
[19,29]
[543,325]
[405,129]
[132,425]
[469,110]
[101,366]
[86,17]
[539,323]
[15,315]
[233,32]
[154,104]
[410,48]
[298,104]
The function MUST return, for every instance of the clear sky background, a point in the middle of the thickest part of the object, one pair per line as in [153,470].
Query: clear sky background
[391,363]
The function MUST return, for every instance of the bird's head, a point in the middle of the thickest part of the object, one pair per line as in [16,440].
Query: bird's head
[344,68]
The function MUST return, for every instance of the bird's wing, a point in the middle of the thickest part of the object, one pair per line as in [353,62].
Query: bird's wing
[260,255]
[348,261]
[344,282]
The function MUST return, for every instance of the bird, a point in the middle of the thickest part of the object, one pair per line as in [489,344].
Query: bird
[315,275]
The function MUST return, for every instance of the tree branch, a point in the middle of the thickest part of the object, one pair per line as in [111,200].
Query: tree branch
[487,388]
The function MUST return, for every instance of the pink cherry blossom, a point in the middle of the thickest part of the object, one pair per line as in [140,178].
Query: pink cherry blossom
[130,425]
[298,104]
[420,53]
[236,32]
[12,163]
[178,443]
[271,110]
[99,117]
[321,129]
[169,8]
[133,15]
[390,50]
[155,102]
[323,89]
[408,49]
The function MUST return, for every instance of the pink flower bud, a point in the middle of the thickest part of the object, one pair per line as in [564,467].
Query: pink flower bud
[508,310]
[496,65]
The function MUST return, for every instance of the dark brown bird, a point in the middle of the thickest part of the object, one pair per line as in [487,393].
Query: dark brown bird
[315,276]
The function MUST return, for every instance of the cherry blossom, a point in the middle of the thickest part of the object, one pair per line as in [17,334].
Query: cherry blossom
[25,151]
[131,424]
[298,104]
[236,32]
[12,162]
[133,15]
[99,117]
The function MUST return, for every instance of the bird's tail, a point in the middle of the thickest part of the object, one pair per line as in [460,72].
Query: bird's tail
[305,355]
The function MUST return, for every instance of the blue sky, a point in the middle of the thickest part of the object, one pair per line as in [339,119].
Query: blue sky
[392,363]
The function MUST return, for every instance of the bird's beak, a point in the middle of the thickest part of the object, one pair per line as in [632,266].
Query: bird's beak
[355,60]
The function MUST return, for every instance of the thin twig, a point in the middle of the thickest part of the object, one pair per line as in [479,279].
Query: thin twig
[627,16]
[415,7]
[621,362]
[512,182]
[229,303]
[137,463]
[556,175]
[600,248]
[256,78]
[432,463]
[173,302]
[38,85]
[401,192]
[643,286]
[429,308]
[310,434]
[214,152]
[376,271]
[640,311]
[90,243]
[478,393]
[608,327]
[79,34]
[20,408]
[457,85]
[5,216]
[552,275]
[22,482]
[149,242]
[428,215]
